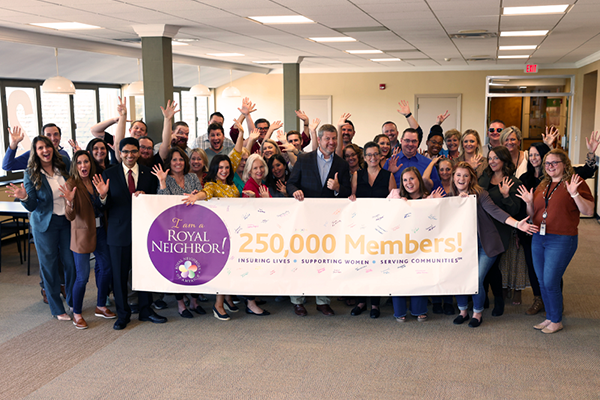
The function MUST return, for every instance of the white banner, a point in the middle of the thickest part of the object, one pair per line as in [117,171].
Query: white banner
[373,247]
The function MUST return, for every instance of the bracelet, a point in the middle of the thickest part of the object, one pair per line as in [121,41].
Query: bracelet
[408,115]
[517,225]
[576,194]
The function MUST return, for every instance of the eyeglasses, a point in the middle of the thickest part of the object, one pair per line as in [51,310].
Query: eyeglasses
[408,141]
[497,130]
[126,152]
[552,163]
[146,148]
[371,155]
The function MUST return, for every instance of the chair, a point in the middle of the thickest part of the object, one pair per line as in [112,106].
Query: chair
[13,226]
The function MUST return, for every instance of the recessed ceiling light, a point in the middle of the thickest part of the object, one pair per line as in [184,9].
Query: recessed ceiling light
[332,39]
[385,59]
[178,43]
[523,33]
[66,26]
[282,19]
[266,62]
[364,51]
[555,9]
[521,56]
[225,54]
[527,47]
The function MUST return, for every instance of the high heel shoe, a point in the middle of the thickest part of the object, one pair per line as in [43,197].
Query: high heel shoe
[264,313]
[230,308]
[218,315]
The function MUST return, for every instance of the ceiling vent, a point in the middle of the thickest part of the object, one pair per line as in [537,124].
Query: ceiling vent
[475,34]
[480,58]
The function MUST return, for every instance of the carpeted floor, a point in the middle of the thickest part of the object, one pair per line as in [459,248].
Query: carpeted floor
[286,357]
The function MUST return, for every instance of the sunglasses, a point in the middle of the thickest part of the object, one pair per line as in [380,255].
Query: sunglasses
[498,130]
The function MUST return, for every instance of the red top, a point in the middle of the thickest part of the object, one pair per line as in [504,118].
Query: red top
[253,186]
[563,214]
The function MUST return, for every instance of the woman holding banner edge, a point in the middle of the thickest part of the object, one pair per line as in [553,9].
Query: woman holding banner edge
[490,244]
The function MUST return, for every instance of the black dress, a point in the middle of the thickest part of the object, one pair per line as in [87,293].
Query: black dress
[380,188]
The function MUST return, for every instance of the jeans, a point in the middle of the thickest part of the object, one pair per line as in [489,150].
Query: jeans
[485,263]
[418,305]
[551,256]
[103,272]
[50,246]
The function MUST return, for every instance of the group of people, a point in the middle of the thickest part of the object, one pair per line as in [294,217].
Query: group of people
[527,214]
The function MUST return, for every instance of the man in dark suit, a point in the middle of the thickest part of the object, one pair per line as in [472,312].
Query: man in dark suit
[320,173]
[123,181]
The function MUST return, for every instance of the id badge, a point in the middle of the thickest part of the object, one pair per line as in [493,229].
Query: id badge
[98,222]
[543,228]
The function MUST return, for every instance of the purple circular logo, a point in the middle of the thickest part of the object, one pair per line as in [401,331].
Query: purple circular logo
[188,245]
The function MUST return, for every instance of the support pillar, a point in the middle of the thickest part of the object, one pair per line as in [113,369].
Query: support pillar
[291,96]
[157,62]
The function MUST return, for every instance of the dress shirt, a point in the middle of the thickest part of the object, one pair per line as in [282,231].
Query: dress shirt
[324,165]
[58,206]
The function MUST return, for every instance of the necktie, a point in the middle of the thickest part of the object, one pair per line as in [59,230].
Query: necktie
[130,182]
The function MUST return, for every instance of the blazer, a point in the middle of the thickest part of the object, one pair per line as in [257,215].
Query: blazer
[118,202]
[39,202]
[487,214]
[305,176]
[12,163]
[83,220]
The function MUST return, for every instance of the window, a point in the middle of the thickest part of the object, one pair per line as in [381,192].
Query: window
[21,106]
[84,103]
[56,109]
[109,100]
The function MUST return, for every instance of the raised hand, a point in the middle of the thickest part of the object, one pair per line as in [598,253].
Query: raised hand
[287,147]
[74,145]
[435,159]
[67,194]
[18,192]
[16,136]
[592,142]
[504,186]
[281,187]
[314,124]
[263,192]
[302,115]
[333,184]
[524,194]
[281,136]
[343,118]
[404,107]
[437,194]
[100,185]
[476,161]
[158,172]
[170,110]
[276,125]
[442,117]
[396,151]
[238,126]
[122,107]
[551,135]
[254,135]
[573,185]
[393,166]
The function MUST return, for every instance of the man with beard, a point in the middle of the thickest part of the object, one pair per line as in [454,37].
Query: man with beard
[217,141]
[409,157]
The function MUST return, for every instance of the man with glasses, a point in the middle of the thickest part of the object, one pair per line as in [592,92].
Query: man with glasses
[119,184]
[409,157]
[494,130]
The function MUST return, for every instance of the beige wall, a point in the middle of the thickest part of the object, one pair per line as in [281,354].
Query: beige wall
[578,138]
[359,94]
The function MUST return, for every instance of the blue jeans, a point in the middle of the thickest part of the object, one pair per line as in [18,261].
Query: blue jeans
[485,263]
[103,272]
[551,256]
[418,305]
[51,245]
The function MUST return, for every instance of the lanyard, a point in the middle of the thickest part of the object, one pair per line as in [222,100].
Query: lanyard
[547,198]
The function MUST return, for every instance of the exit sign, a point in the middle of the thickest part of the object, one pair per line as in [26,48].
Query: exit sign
[531,68]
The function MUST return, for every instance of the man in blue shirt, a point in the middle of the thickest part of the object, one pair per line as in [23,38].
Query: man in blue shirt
[12,163]
[409,157]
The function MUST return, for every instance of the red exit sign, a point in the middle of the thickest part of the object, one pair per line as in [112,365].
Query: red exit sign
[531,68]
